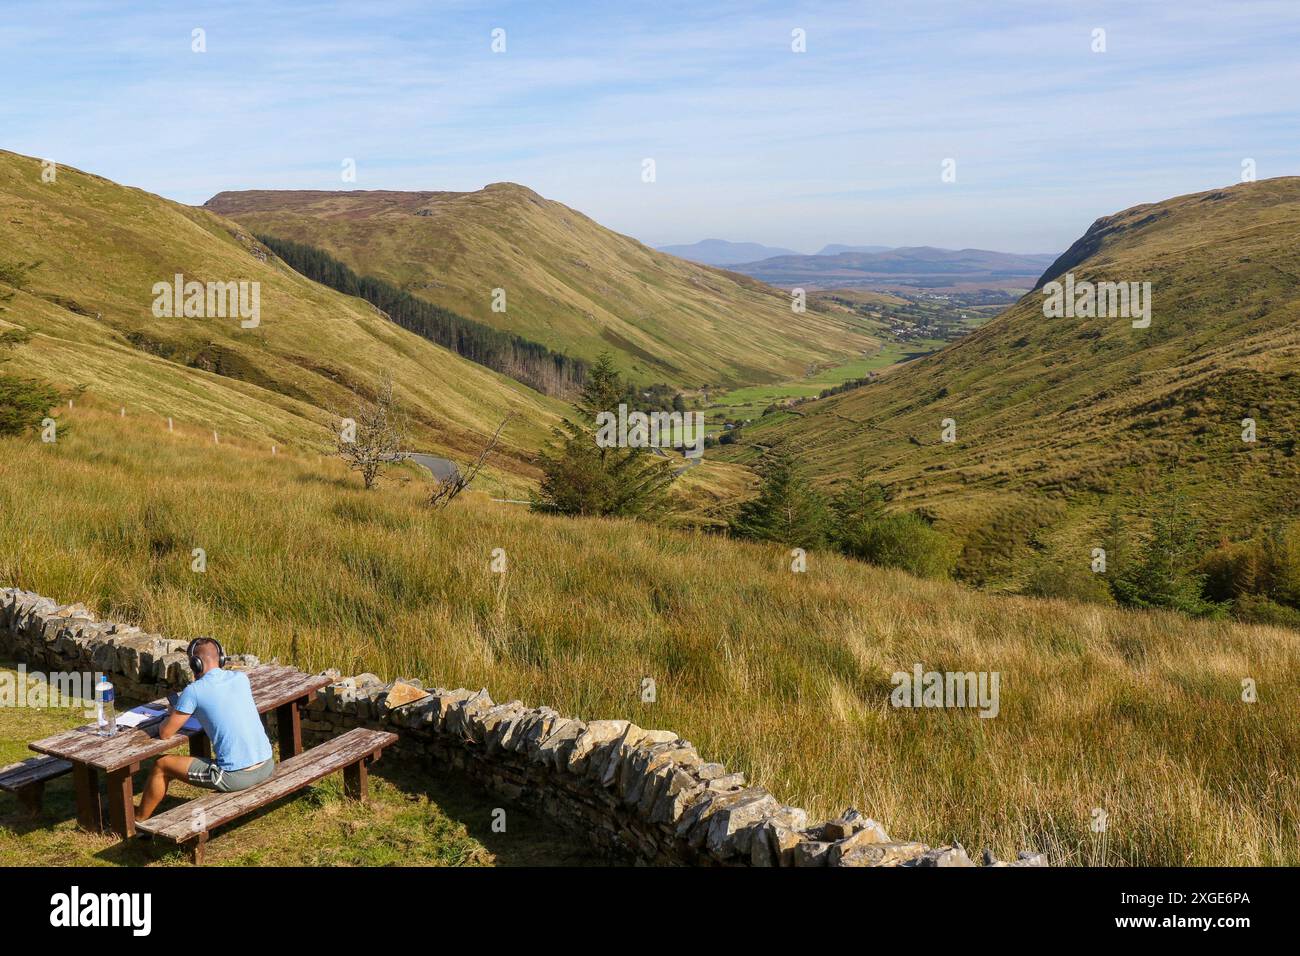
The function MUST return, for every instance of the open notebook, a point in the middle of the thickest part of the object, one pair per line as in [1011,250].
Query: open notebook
[147,716]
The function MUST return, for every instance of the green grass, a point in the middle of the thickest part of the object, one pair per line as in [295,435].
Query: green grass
[411,818]
[785,676]
[750,402]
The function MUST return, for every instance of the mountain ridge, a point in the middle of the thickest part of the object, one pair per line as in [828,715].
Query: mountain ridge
[314,353]
[569,283]
[903,267]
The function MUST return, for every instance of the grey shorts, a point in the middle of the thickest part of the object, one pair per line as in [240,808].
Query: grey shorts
[205,773]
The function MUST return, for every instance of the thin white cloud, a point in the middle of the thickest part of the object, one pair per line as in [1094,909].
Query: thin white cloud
[752,141]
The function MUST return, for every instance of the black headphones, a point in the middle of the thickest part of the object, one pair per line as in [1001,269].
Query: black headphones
[196,664]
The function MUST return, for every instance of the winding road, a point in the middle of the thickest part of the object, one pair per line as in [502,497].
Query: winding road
[442,468]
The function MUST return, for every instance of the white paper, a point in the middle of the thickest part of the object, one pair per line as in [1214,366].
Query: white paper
[138,716]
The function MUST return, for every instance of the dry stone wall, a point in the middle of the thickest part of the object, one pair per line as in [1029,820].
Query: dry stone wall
[643,794]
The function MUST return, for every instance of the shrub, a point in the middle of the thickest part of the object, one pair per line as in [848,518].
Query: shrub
[1050,579]
[904,541]
[16,274]
[1261,576]
[1231,570]
[23,403]
[1162,574]
[1281,563]
[1257,609]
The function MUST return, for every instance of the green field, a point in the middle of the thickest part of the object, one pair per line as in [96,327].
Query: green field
[743,403]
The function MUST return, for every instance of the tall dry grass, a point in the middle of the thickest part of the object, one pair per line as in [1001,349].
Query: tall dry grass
[784,675]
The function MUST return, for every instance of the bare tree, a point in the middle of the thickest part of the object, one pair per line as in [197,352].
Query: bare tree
[374,438]
[447,490]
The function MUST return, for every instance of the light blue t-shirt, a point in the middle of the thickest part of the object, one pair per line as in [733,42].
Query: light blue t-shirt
[222,702]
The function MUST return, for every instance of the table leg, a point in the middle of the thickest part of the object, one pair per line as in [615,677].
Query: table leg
[200,746]
[121,802]
[289,717]
[89,812]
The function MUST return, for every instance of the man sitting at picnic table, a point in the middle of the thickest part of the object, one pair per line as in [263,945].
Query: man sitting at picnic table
[222,701]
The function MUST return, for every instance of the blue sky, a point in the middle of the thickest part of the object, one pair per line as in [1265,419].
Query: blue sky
[751,141]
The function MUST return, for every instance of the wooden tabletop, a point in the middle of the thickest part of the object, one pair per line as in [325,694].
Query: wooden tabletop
[274,685]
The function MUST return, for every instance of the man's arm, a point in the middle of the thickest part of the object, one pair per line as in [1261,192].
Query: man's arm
[173,724]
[184,708]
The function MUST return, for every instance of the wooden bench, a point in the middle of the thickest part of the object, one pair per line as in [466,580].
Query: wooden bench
[352,753]
[26,779]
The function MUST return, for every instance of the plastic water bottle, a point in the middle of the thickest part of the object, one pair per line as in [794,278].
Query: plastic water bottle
[104,708]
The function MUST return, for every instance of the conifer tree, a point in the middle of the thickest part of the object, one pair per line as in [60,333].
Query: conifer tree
[580,477]
[24,402]
[1161,574]
[788,508]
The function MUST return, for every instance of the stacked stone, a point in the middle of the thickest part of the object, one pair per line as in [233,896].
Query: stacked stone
[642,793]
[51,637]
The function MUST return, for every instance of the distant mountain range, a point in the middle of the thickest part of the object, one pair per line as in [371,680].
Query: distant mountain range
[917,268]
[720,252]
[834,249]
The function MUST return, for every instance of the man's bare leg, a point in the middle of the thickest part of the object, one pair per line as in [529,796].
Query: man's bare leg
[168,768]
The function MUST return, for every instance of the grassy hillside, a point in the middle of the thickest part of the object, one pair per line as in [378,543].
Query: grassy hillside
[785,675]
[101,248]
[1062,420]
[570,283]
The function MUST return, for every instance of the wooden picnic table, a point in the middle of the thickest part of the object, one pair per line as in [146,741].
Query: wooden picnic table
[275,687]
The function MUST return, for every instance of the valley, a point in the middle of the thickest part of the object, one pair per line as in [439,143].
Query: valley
[1062,422]
[908,326]
[707,437]
[184,431]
